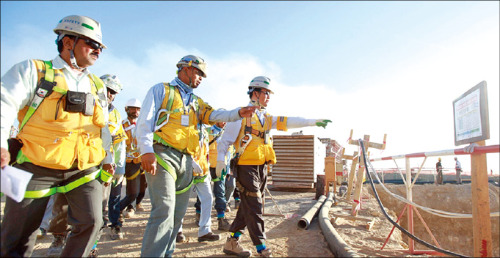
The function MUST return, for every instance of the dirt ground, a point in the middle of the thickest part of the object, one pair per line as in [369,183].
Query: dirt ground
[287,240]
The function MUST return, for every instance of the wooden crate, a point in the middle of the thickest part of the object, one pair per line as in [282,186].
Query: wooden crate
[300,159]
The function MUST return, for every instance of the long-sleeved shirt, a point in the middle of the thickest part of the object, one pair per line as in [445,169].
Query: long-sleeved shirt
[18,88]
[232,130]
[151,105]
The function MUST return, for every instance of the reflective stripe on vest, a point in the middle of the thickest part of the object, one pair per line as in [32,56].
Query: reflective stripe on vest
[105,177]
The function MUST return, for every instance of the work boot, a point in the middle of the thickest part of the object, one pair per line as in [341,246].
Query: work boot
[224,224]
[180,237]
[129,213]
[57,245]
[236,204]
[138,207]
[116,233]
[93,253]
[41,233]
[266,253]
[209,237]
[233,247]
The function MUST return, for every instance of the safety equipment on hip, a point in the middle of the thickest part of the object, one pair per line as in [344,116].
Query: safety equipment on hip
[101,175]
[323,122]
[261,82]
[78,25]
[112,82]
[194,61]
[133,103]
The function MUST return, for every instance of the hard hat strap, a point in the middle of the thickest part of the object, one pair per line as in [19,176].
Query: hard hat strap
[72,54]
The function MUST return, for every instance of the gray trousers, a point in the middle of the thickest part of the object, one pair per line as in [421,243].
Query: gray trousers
[251,182]
[21,220]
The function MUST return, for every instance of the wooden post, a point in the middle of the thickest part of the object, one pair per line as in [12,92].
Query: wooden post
[354,164]
[481,220]
[359,179]
[330,174]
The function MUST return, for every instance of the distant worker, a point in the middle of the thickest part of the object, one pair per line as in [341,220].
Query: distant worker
[64,140]
[168,135]
[439,170]
[136,180]
[254,152]
[119,137]
[458,169]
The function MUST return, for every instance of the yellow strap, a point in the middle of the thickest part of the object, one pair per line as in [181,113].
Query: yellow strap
[132,177]
[105,177]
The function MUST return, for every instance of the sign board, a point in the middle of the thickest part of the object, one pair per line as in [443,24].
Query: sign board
[471,117]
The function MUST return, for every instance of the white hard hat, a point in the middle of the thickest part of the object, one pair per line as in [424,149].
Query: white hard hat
[112,82]
[80,26]
[194,61]
[260,82]
[133,103]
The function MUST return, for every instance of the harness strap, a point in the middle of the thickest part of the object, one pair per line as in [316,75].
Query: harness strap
[250,130]
[43,89]
[132,177]
[103,175]
[171,171]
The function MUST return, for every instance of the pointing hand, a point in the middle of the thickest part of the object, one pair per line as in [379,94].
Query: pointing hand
[323,122]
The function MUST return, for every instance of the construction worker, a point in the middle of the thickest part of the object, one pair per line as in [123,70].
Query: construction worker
[168,136]
[254,152]
[219,185]
[458,170]
[439,170]
[113,189]
[63,138]
[202,186]
[136,180]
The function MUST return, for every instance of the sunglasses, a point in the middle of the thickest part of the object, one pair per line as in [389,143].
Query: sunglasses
[93,44]
[265,92]
[112,92]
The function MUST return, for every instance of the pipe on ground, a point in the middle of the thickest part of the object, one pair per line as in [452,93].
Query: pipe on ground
[337,245]
[311,213]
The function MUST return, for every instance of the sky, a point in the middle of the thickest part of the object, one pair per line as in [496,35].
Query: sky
[376,67]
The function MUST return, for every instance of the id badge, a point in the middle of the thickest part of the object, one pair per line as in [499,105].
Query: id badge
[185,120]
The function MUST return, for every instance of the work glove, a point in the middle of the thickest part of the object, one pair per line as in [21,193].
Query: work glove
[196,168]
[470,148]
[322,122]
[221,165]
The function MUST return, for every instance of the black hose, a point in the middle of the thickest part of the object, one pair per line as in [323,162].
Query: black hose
[392,221]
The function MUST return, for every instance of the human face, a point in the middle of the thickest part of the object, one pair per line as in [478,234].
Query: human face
[133,112]
[85,54]
[111,95]
[263,95]
[196,77]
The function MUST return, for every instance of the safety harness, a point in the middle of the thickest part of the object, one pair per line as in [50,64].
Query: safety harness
[162,119]
[45,87]
[245,140]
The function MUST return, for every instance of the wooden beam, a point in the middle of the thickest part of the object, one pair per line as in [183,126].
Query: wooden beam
[481,220]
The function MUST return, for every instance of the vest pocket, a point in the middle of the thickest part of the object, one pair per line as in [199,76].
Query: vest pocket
[98,117]
[53,109]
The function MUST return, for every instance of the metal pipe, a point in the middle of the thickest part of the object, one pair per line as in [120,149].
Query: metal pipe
[311,213]
[337,245]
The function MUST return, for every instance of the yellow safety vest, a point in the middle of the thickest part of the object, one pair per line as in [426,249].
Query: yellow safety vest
[115,127]
[133,154]
[258,151]
[183,138]
[54,138]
